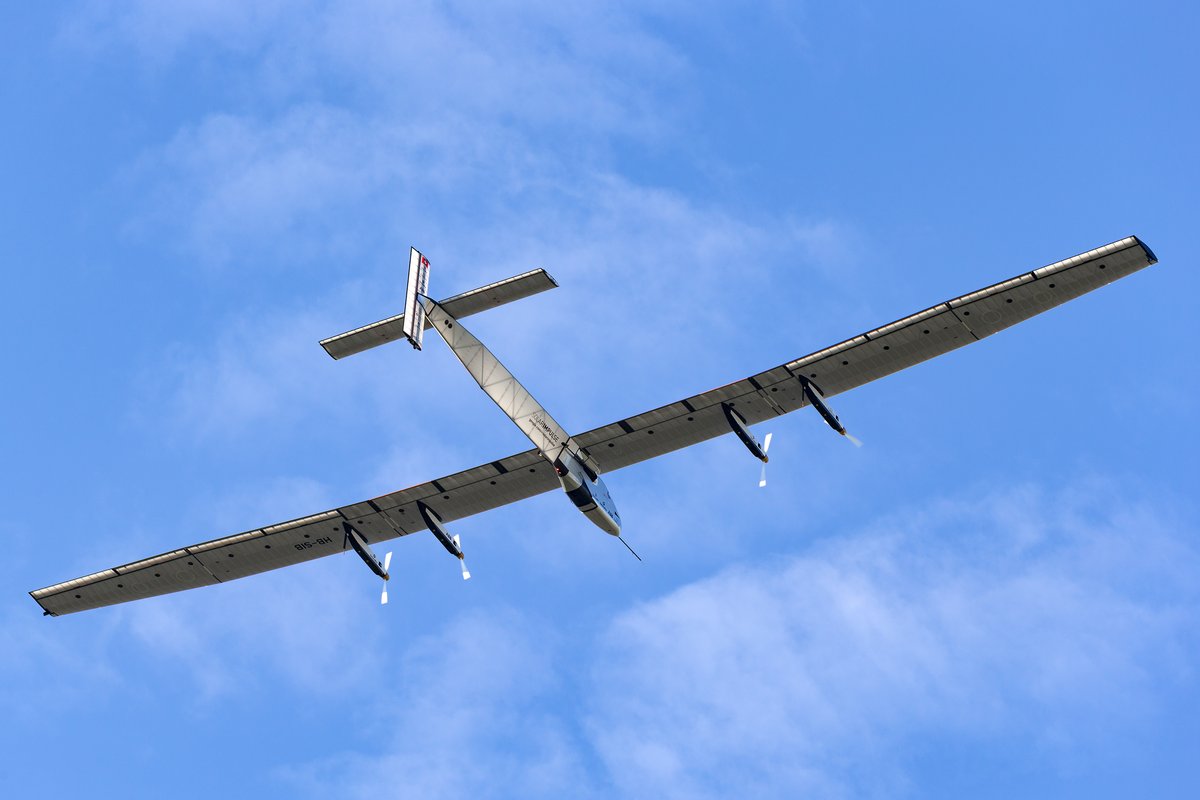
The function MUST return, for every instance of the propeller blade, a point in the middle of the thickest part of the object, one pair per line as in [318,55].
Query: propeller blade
[387,562]
[762,476]
[462,561]
[853,439]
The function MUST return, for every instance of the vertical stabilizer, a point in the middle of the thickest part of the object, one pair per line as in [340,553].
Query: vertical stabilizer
[418,286]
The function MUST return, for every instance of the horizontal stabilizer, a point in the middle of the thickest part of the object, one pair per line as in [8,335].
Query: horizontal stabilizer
[495,294]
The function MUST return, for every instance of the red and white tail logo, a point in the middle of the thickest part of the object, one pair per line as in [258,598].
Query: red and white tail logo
[418,285]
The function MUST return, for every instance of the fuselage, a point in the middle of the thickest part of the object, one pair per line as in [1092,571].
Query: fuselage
[580,480]
[587,491]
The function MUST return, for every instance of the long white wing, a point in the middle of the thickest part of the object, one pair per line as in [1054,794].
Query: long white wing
[835,369]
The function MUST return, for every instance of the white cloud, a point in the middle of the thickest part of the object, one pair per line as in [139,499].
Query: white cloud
[1052,620]
[446,144]
[588,69]
[257,370]
[307,628]
[464,721]
[1004,613]
[237,183]
[82,665]
[160,31]
[635,265]
[460,117]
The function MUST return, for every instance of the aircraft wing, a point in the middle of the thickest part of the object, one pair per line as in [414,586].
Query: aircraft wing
[777,391]
[866,357]
[462,494]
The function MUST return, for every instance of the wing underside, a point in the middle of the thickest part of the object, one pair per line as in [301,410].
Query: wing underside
[866,357]
[846,365]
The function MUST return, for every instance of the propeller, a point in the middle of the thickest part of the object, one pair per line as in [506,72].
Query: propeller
[387,562]
[462,561]
[854,440]
[762,476]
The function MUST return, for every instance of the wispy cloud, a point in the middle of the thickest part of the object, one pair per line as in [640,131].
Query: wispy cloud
[1025,615]
[1006,613]
[303,630]
[445,144]
[633,262]
[475,713]
[297,627]
[589,68]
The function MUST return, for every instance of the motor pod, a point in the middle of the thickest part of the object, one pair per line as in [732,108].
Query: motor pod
[813,393]
[359,543]
[738,423]
[434,523]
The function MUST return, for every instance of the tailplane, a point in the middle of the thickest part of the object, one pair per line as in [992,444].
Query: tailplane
[411,324]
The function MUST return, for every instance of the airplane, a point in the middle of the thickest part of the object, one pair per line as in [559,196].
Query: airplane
[575,463]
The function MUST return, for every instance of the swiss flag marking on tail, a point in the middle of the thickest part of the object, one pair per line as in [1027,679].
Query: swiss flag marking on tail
[418,284]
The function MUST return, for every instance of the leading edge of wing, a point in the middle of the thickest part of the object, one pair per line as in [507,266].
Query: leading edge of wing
[866,357]
[454,496]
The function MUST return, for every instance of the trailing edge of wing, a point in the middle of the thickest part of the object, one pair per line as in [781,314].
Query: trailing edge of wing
[846,365]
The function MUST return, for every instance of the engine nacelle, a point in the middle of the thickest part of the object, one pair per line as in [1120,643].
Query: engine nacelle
[359,543]
[433,521]
[817,400]
[738,423]
[587,491]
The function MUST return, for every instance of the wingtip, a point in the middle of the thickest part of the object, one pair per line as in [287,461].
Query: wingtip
[1153,259]
[45,611]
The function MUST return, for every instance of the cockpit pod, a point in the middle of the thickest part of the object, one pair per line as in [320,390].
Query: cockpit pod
[587,491]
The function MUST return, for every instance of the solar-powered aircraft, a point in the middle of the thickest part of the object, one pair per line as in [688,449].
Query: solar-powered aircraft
[575,463]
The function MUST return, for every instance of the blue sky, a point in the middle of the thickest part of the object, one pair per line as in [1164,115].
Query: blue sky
[998,596]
